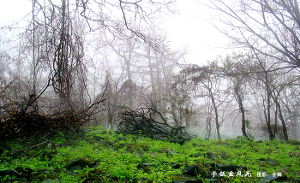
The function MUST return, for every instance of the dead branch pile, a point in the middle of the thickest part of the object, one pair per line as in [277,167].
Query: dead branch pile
[30,124]
[149,122]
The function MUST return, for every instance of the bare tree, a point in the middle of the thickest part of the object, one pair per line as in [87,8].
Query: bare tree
[122,19]
[125,52]
[207,78]
[237,70]
[55,42]
[272,98]
[268,27]
[158,67]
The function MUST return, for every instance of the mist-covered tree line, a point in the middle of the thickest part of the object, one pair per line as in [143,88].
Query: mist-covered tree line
[83,62]
[263,79]
[247,91]
[79,61]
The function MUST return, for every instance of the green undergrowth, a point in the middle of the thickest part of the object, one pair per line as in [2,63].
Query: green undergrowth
[105,156]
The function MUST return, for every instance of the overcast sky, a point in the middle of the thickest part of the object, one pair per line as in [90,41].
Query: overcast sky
[190,28]
[13,10]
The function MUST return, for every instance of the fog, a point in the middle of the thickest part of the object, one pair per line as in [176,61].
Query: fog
[200,65]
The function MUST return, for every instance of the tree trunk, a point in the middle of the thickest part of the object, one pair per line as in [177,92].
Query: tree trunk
[216,112]
[130,83]
[241,107]
[268,109]
[284,128]
[153,91]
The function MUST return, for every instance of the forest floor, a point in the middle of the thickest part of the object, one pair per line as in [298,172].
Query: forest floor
[99,155]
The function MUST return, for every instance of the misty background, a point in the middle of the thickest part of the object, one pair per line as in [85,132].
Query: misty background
[220,70]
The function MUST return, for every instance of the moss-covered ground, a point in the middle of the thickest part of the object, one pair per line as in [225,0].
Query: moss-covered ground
[104,156]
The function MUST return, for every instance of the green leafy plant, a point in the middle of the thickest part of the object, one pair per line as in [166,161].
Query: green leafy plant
[112,157]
